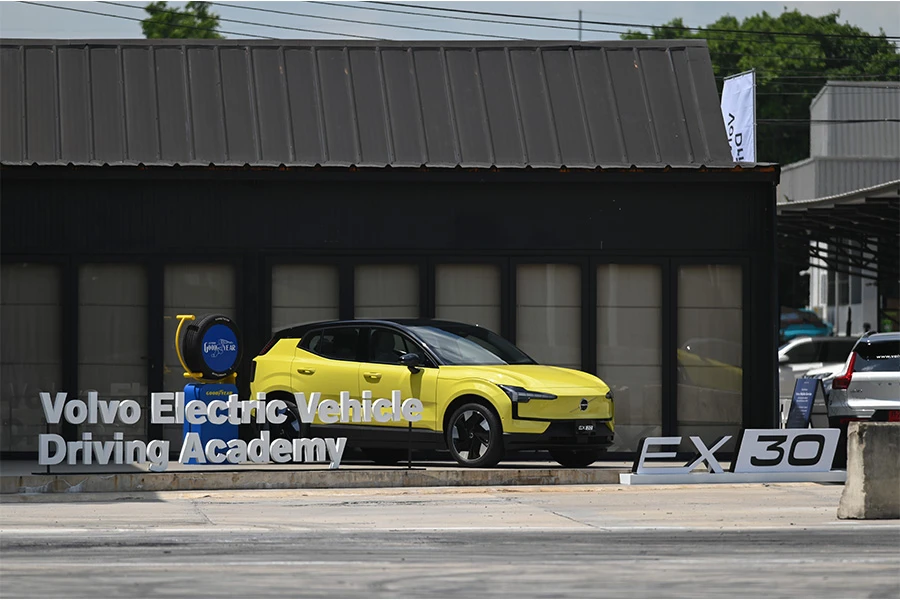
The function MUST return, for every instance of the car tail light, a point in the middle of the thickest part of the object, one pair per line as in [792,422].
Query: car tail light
[268,346]
[842,381]
[894,415]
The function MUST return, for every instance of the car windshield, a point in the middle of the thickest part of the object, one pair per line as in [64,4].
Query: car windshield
[878,357]
[461,345]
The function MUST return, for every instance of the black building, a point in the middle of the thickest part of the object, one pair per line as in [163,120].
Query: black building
[580,199]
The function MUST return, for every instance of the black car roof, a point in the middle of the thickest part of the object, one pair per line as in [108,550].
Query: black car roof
[300,330]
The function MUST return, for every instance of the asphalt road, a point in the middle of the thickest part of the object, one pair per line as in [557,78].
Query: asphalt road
[603,541]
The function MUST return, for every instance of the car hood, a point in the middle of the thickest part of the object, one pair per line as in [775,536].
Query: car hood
[532,377]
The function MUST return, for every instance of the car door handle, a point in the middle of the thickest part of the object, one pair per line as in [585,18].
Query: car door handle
[306,371]
[372,375]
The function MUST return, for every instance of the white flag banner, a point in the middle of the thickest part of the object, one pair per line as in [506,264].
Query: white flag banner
[739,113]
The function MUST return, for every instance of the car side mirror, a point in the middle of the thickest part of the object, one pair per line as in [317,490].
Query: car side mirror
[783,359]
[411,360]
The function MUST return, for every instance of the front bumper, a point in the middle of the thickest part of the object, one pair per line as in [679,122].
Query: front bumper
[570,434]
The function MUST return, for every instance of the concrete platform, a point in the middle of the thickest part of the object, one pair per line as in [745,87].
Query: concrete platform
[23,477]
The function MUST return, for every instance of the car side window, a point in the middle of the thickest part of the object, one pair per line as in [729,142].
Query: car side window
[837,352]
[803,353]
[338,343]
[387,346]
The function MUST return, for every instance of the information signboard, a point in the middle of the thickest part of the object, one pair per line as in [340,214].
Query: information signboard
[806,391]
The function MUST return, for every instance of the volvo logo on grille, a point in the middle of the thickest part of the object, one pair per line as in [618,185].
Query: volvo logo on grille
[584,404]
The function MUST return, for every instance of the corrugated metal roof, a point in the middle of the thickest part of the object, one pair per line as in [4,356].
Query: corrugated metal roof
[368,104]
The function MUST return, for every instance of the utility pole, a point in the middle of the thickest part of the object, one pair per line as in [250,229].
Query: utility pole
[579,24]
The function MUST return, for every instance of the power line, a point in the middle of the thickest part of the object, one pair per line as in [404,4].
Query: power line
[175,12]
[644,26]
[824,121]
[834,93]
[470,19]
[100,14]
[540,25]
[281,12]
[811,77]
[793,57]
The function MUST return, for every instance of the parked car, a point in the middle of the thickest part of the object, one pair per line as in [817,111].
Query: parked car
[797,322]
[481,395]
[867,386]
[868,383]
[801,355]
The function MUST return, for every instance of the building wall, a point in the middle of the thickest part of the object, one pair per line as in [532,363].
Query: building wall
[823,177]
[856,101]
[663,289]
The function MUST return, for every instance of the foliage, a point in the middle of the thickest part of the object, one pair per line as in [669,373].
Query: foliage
[790,70]
[193,22]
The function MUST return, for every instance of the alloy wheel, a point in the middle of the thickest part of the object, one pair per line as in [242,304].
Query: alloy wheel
[471,435]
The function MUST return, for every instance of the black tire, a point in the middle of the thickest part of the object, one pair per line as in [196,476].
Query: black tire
[576,458]
[475,436]
[385,456]
[192,346]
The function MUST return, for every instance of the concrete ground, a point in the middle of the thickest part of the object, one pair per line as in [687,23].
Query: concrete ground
[754,540]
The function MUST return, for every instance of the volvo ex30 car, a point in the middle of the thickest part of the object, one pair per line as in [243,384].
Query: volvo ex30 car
[481,396]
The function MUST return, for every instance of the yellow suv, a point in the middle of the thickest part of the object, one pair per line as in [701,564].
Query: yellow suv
[480,395]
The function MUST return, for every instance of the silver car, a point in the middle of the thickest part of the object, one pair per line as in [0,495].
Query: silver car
[868,386]
[869,381]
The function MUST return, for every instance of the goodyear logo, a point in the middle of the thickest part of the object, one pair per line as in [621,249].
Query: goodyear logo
[217,348]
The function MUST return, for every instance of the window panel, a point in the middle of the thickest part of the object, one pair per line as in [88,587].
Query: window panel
[548,321]
[629,348]
[30,352]
[710,351]
[303,294]
[112,341]
[387,291]
[468,294]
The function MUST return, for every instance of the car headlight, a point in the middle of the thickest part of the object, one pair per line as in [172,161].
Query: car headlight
[520,394]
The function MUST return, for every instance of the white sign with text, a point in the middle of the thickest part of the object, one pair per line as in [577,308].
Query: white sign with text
[761,455]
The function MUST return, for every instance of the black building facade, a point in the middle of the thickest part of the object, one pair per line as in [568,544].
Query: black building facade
[578,199]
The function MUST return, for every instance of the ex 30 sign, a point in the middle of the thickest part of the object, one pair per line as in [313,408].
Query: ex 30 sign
[761,455]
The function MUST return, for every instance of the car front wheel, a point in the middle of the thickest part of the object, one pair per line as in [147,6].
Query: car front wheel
[475,436]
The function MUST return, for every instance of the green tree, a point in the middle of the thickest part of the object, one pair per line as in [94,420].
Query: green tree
[790,70]
[194,22]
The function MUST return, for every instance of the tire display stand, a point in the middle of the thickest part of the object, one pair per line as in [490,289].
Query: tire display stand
[209,352]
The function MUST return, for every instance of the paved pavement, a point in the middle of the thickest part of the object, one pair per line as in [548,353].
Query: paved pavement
[776,540]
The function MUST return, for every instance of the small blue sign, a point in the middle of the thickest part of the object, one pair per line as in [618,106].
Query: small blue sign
[805,391]
[220,348]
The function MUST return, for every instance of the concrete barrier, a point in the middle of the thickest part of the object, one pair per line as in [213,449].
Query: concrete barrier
[872,490]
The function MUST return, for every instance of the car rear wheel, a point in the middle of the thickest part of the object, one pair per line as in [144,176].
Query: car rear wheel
[576,458]
[475,436]
[292,428]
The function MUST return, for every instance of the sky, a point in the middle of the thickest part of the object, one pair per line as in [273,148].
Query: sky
[19,20]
